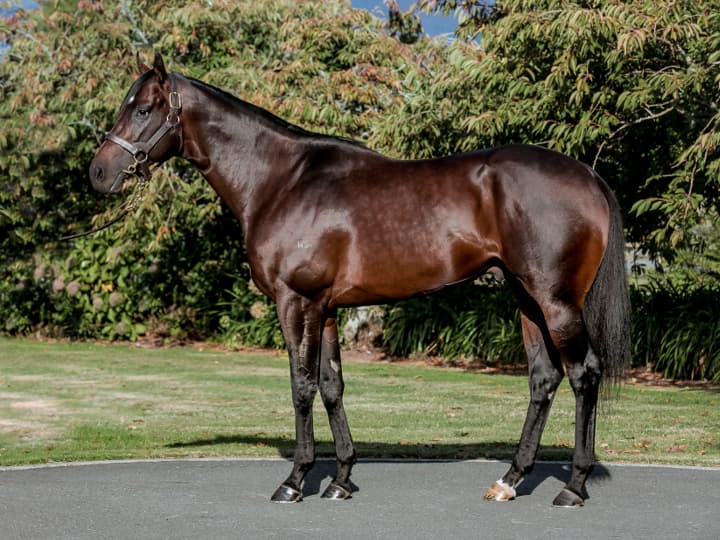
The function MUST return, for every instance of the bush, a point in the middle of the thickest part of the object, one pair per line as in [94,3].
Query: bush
[677,328]
[477,320]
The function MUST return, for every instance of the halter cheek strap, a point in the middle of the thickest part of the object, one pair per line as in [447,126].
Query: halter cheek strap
[140,151]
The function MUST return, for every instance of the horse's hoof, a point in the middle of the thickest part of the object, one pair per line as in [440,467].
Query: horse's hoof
[286,494]
[500,491]
[336,493]
[568,499]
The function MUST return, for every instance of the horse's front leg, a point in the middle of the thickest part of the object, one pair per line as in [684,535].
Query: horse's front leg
[331,390]
[301,323]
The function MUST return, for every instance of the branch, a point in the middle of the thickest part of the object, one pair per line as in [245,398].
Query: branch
[35,40]
[653,116]
[125,11]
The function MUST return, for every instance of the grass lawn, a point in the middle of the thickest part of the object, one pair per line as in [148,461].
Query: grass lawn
[68,402]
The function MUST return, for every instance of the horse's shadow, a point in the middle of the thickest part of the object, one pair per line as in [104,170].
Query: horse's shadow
[555,460]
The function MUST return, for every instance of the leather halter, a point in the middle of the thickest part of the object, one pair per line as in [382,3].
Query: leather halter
[140,151]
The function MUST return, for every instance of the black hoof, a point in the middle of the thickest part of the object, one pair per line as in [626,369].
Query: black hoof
[336,493]
[568,499]
[286,494]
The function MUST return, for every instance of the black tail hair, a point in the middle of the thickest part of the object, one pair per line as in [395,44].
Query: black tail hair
[607,306]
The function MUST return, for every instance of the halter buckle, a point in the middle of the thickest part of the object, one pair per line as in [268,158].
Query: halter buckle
[174,100]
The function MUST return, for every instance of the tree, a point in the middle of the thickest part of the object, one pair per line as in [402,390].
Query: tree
[629,87]
[404,26]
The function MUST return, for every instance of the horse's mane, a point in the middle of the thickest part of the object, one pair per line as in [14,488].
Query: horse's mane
[270,118]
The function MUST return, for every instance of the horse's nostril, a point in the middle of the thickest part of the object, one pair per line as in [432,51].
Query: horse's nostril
[99,173]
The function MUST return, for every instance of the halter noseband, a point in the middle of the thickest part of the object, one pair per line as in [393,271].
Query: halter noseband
[140,151]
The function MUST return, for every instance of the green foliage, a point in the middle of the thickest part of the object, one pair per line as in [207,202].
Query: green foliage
[405,26]
[677,328]
[477,320]
[109,287]
[249,317]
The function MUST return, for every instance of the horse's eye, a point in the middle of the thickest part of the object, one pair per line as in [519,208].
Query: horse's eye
[142,113]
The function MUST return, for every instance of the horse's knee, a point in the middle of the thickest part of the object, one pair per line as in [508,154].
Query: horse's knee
[303,395]
[331,391]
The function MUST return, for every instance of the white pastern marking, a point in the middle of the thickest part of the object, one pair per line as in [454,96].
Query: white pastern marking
[507,487]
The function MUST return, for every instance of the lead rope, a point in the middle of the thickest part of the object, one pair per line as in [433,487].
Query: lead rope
[123,210]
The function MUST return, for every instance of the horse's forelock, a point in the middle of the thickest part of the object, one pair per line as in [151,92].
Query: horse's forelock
[135,88]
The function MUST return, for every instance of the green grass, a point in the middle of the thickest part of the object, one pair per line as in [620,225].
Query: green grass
[68,402]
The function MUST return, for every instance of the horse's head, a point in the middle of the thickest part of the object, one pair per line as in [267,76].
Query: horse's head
[147,130]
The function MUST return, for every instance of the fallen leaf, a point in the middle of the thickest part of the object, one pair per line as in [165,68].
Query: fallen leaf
[677,448]
[562,443]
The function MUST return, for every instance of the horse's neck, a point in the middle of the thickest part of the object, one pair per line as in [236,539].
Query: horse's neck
[240,154]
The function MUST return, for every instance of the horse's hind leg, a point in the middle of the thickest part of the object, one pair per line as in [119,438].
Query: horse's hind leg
[545,375]
[584,377]
[568,336]
[331,390]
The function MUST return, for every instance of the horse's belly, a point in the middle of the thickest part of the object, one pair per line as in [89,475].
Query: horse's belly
[398,272]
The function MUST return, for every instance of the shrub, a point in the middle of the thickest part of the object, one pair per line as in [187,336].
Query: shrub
[677,328]
[476,320]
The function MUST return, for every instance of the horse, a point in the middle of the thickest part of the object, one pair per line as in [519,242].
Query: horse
[329,223]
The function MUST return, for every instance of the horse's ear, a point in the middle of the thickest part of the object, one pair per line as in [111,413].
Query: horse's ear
[142,67]
[159,67]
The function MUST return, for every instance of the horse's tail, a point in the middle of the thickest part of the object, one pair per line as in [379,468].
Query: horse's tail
[607,306]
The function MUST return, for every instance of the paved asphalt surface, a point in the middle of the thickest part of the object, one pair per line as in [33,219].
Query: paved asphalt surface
[213,499]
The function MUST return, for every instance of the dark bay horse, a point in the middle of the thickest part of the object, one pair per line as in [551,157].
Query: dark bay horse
[329,223]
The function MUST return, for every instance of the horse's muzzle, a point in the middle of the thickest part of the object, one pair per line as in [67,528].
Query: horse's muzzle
[101,182]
